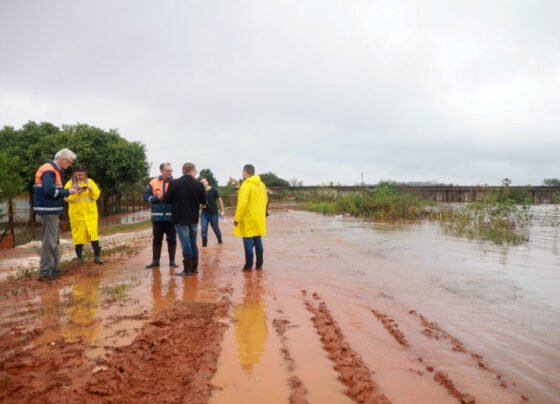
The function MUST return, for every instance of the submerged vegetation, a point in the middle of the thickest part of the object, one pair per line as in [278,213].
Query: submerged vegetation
[383,203]
[119,292]
[499,217]
[501,222]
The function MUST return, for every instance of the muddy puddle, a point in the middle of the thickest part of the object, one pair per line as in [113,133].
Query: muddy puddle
[344,311]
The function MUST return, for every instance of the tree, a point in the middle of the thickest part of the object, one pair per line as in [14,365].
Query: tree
[551,182]
[11,184]
[209,175]
[112,161]
[272,180]
[109,158]
[294,182]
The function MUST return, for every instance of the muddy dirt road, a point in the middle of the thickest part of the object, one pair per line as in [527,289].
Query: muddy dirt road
[342,312]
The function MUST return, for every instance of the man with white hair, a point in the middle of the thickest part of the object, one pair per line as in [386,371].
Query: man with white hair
[48,203]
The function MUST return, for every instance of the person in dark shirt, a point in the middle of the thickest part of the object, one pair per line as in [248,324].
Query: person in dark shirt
[210,213]
[186,196]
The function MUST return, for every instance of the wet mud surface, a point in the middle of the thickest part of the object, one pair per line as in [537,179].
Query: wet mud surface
[334,316]
[172,359]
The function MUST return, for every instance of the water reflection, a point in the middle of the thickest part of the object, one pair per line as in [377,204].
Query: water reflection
[250,320]
[82,311]
[50,315]
[159,300]
[190,288]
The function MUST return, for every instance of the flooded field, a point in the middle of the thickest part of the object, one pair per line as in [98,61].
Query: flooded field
[345,310]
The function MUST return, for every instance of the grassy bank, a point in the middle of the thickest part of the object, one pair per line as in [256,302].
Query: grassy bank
[383,203]
[125,227]
[498,217]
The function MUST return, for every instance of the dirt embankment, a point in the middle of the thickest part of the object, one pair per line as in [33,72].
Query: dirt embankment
[173,359]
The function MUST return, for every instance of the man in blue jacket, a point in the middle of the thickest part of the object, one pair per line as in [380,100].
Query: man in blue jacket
[162,222]
[48,203]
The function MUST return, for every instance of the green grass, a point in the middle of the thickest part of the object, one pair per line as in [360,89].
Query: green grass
[23,274]
[119,292]
[491,219]
[384,203]
[125,227]
[497,217]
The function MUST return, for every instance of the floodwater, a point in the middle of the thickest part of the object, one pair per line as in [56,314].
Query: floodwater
[497,309]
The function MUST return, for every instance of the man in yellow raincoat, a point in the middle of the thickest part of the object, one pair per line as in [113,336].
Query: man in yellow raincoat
[82,209]
[250,216]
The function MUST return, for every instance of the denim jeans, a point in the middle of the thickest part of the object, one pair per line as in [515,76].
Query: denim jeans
[248,244]
[187,238]
[206,218]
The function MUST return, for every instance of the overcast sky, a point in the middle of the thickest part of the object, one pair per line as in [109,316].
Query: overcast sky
[453,91]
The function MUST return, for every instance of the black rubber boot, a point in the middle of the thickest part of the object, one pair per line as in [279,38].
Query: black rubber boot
[156,253]
[171,248]
[79,253]
[195,265]
[220,240]
[187,271]
[96,252]
[204,242]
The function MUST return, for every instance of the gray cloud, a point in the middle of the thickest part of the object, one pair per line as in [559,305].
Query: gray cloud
[321,91]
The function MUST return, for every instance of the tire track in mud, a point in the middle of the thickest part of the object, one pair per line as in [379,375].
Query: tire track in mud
[353,372]
[298,390]
[440,377]
[392,327]
[433,331]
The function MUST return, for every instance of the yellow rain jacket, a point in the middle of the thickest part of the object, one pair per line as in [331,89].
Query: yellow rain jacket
[82,209]
[251,208]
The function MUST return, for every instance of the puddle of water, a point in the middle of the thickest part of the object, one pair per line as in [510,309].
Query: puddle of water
[250,368]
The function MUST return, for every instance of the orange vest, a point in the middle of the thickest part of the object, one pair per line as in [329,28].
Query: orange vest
[41,171]
[157,186]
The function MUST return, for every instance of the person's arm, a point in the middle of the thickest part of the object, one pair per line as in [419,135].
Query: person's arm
[70,198]
[149,195]
[242,201]
[93,189]
[219,199]
[267,201]
[50,190]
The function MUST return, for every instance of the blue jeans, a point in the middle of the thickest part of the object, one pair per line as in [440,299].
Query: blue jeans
[187,237]
[206,218]
[248,244]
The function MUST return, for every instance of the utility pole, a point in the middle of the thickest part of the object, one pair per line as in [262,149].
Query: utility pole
[362,179]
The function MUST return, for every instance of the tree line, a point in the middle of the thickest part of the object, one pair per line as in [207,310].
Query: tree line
[111,160]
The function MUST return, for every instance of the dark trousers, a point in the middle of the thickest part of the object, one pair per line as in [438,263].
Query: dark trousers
[248,244]
[159,229]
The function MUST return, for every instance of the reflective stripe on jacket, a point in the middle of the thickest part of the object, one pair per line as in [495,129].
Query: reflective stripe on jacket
[48,192]
[161,211]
